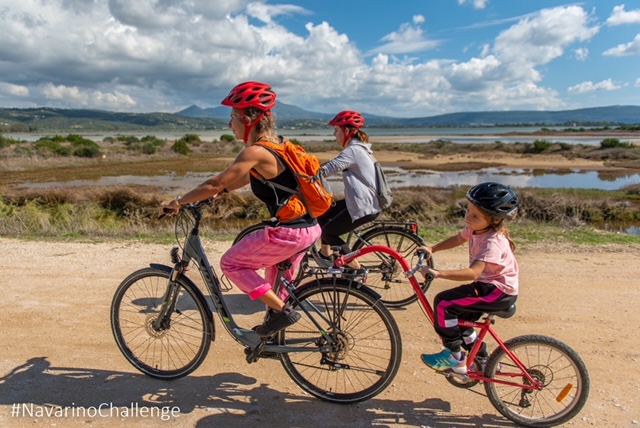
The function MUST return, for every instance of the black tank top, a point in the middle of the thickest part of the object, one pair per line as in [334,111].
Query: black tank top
[271,196]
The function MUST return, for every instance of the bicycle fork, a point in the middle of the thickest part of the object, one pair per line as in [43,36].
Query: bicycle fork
[163,322]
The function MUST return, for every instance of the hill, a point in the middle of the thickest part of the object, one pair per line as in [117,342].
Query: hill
[194,118]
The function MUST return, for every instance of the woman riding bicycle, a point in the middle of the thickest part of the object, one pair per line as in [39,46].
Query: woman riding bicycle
[493,271]
[285,238]
[360,204]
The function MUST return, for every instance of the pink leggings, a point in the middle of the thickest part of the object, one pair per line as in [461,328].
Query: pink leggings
[265,249]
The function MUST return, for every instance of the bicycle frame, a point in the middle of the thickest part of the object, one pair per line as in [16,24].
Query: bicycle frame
[485,327]
[194,251]
[314,252]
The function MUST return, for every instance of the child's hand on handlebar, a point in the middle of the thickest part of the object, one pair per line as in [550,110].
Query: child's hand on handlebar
[429,273]
[425,249]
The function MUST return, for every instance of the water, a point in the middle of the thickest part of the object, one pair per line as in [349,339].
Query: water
[408,135]
[397,177]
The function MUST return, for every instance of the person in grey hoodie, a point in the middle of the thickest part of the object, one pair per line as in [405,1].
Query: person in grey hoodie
[356,162]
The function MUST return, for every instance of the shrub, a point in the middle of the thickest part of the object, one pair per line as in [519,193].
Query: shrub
[181,147]
[86,149]
[227,138]
[191,139]
[611,143]
[541,145]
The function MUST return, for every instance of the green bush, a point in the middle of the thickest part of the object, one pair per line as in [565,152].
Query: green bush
[610,143]
[86,149]
[181,147]
[541,145]
[192,139]
[227,138]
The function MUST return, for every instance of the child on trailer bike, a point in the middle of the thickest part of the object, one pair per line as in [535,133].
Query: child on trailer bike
[493,270]
[286,238]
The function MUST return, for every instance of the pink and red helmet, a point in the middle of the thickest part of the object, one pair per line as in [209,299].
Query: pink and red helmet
[251,94]
[348,118]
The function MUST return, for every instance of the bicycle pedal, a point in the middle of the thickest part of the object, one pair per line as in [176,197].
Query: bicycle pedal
[253,354]
[462,378]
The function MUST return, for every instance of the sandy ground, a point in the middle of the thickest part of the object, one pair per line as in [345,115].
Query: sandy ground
[57,349]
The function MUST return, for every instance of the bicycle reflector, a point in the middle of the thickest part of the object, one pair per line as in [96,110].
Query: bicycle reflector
[414,227]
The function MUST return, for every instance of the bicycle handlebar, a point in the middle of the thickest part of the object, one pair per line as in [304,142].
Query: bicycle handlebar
[195,208]
[422,255]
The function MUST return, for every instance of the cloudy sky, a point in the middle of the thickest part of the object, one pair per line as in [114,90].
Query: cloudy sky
[404,58]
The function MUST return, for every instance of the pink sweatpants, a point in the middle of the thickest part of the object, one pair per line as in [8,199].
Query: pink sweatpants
[265,249]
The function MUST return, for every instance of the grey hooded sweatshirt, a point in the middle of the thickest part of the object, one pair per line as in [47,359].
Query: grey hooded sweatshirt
[359,177]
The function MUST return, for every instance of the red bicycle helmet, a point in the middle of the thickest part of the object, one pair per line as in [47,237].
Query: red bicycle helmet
[251,94]
[348,118]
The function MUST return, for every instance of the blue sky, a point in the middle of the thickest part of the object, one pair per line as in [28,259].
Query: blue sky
[404,58]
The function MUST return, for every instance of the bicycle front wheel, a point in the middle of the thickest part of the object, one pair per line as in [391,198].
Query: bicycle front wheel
[175,348]
[557,367]
[386,276]
[366,348]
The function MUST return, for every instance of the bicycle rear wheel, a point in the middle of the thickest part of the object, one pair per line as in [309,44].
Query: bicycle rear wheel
[366,351]
[386,276]
[549,361]
[180,345]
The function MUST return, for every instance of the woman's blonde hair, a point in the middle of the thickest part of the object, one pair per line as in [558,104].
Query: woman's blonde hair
[266,127]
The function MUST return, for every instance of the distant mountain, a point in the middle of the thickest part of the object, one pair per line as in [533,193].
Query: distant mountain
[282,111]
[596,115]
[194,118]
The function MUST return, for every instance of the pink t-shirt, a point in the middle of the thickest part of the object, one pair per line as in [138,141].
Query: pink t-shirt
[501,267]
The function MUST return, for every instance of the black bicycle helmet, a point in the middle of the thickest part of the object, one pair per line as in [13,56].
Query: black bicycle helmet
[495,199]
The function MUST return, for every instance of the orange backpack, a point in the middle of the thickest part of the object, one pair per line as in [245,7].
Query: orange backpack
[312,194]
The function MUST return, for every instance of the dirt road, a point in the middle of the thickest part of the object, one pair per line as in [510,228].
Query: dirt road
[57,351]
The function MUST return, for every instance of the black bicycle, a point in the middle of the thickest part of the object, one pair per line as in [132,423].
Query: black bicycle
[345,349]
[385,275]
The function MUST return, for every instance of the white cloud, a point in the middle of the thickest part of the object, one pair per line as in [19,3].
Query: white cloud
[409,38]
[625,49]
[619,16]
[478,4]
[266,13]
[582,54]
[545,37]
[13,90]
[586,87]
[74,96]
[638,83]
[158,55]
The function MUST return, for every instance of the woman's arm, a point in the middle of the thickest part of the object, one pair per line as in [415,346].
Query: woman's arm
[233,177]
[341,162]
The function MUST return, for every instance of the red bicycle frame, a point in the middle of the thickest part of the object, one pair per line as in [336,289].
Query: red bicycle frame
[485,327]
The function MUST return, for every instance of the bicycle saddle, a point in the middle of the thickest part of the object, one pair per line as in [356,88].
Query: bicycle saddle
[506,313]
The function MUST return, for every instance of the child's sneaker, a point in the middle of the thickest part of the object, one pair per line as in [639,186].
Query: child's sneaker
[444,361]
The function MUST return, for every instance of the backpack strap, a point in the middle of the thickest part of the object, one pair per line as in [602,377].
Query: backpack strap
[263,180]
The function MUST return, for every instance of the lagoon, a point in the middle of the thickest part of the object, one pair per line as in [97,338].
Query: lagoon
[396,135]
[397,177]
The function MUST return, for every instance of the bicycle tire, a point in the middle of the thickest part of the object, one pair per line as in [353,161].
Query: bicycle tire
[171,353]
[386,276]
[564,374]
[368,348]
